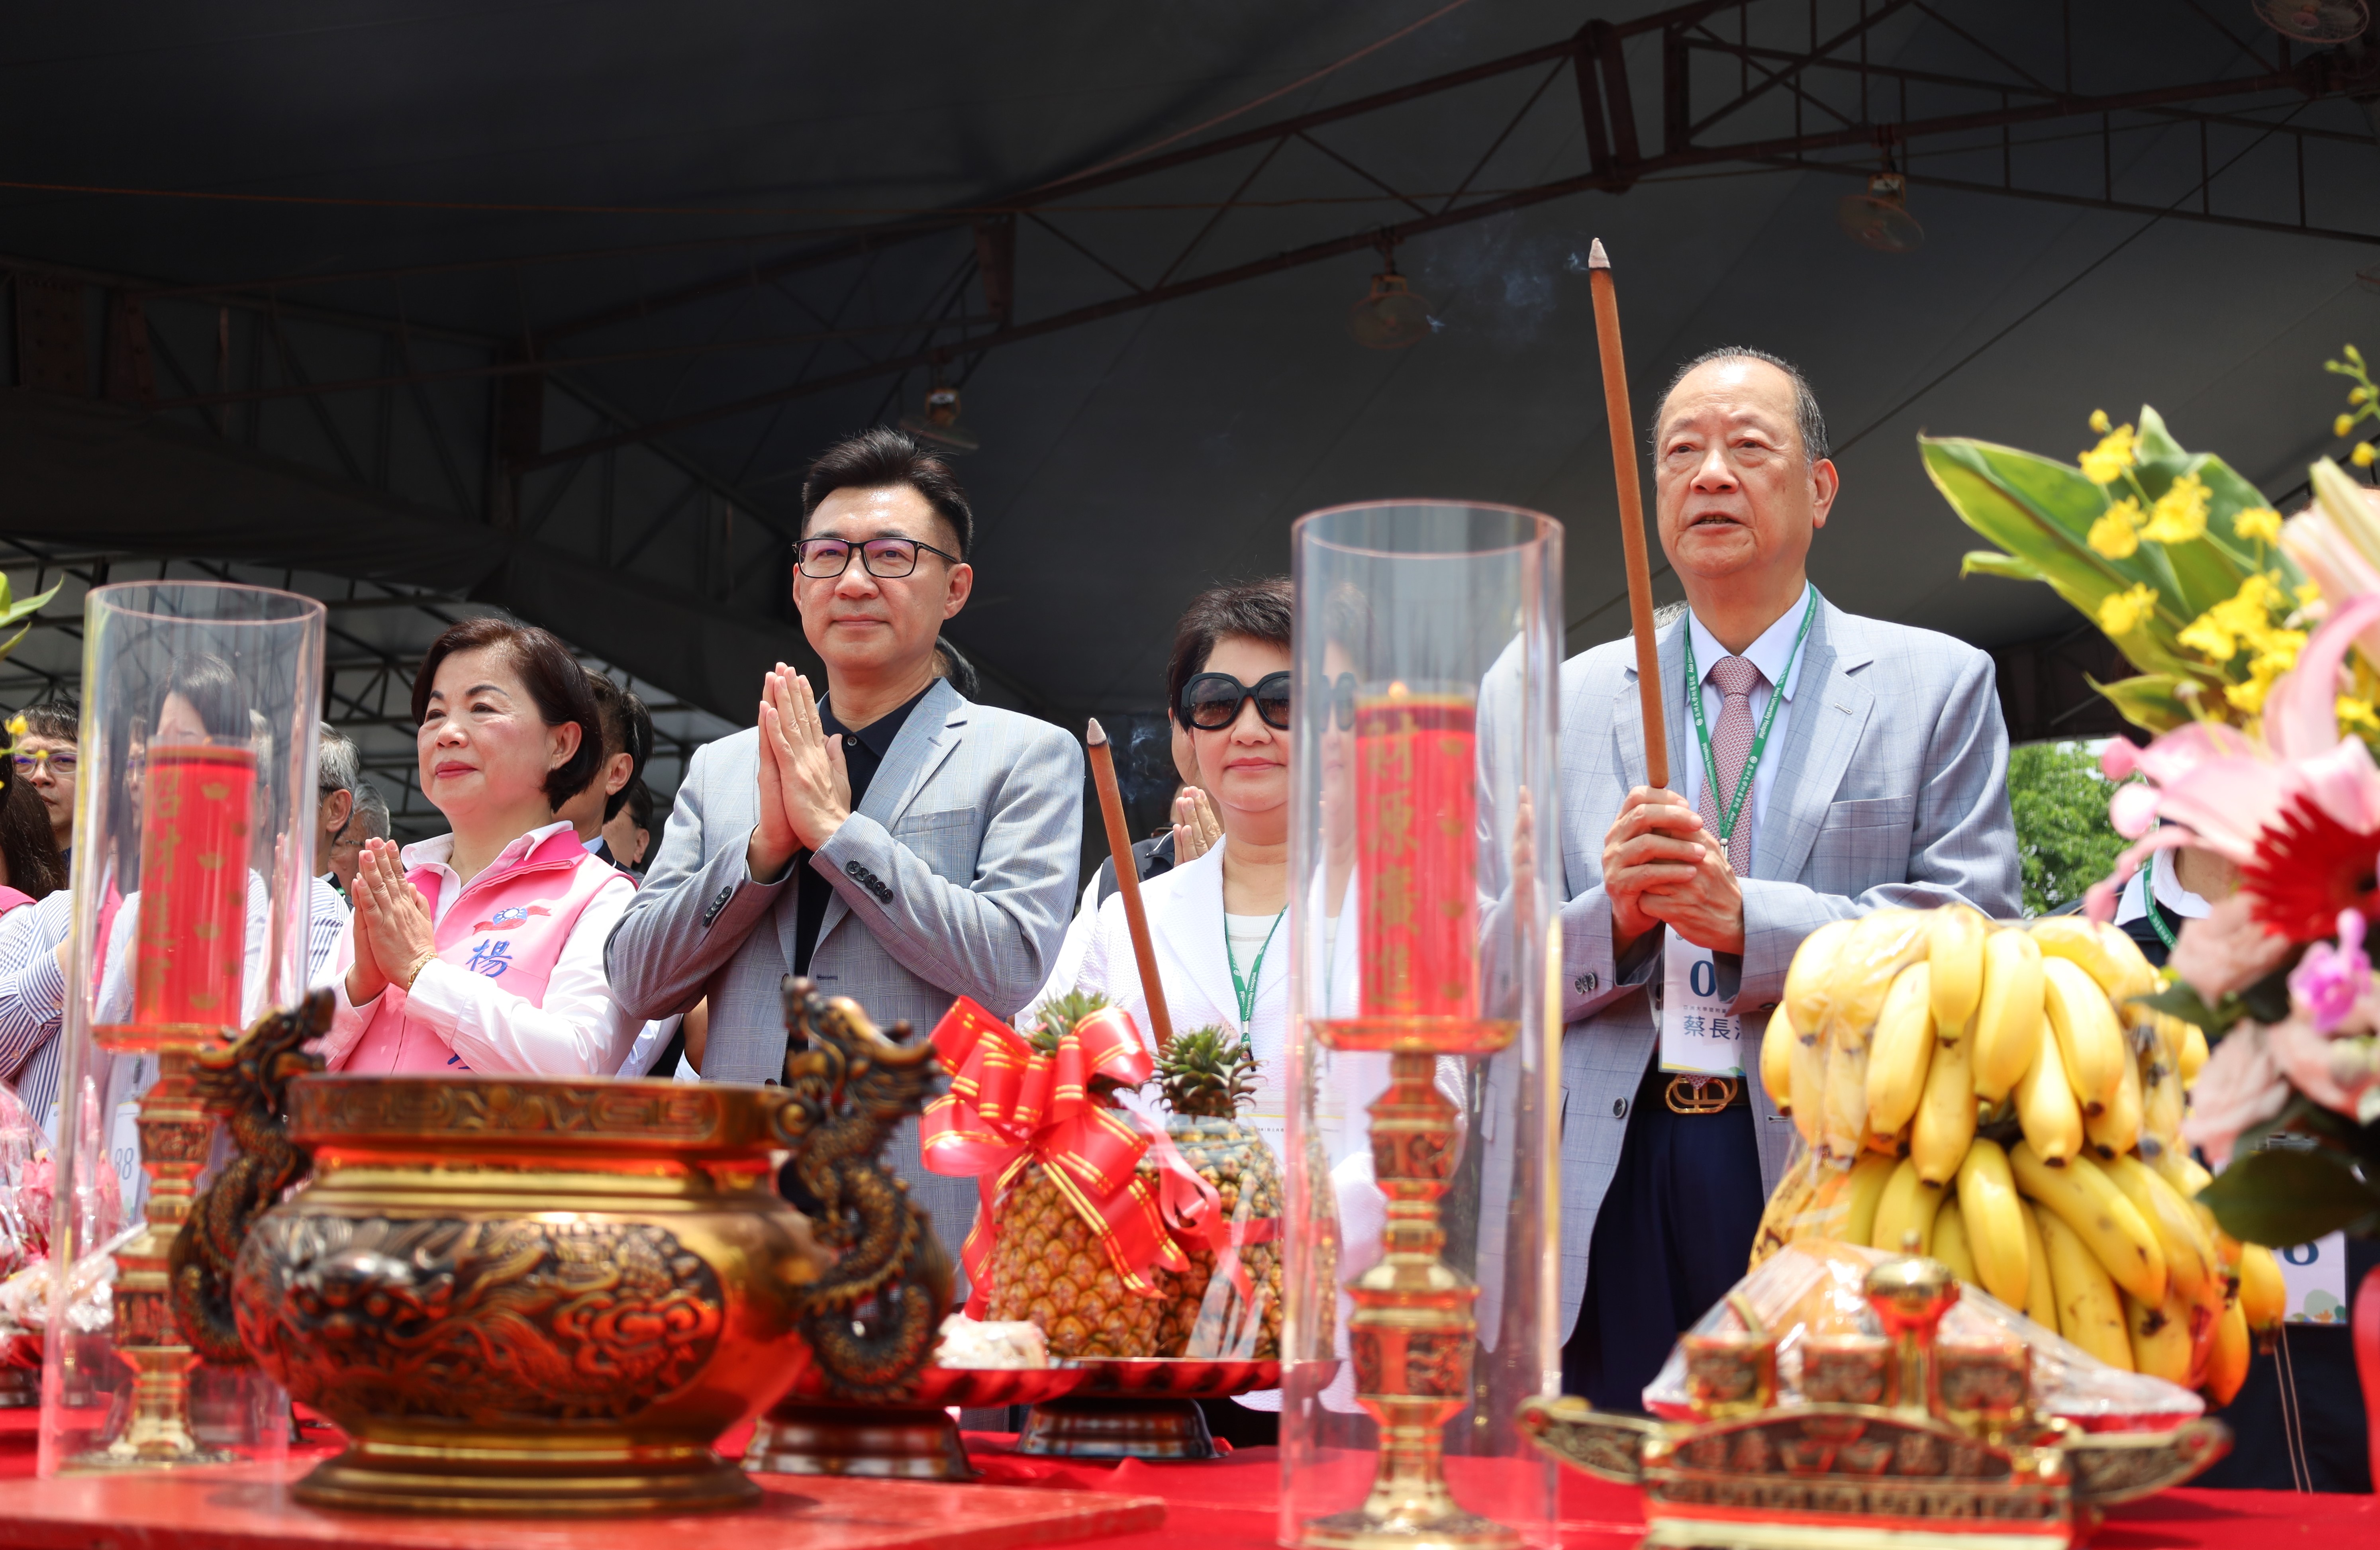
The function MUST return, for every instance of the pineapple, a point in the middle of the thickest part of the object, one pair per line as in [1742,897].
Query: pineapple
[1048,1266]
[1206,1077]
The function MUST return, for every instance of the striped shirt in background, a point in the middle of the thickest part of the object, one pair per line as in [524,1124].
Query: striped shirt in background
[326,924]
[32,999]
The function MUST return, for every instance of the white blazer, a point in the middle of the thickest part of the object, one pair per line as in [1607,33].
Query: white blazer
[1186,923]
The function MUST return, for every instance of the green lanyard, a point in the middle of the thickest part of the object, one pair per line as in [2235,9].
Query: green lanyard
[1728,815]
[1246,989]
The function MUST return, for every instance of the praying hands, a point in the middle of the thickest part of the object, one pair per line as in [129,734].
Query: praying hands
[391,925]
[805,787]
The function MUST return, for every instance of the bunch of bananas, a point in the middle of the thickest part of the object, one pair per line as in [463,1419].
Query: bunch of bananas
[1994,1092]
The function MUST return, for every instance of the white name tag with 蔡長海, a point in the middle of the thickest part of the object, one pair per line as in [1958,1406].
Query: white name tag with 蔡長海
[2316,1275]
[1701,1035]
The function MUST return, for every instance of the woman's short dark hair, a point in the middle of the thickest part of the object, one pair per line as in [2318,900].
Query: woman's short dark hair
[1243,610]
[553,677]
[877,459]
[627,729]
[214,692]
[35,867]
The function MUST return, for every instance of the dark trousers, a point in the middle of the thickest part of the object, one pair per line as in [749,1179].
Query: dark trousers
[1673,1235]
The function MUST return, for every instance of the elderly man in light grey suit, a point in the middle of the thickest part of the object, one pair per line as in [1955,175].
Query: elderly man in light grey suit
[896,843]
[1879,779]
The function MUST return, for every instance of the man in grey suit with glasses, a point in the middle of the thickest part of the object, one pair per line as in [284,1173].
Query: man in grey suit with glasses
[893,840]
[1826,766]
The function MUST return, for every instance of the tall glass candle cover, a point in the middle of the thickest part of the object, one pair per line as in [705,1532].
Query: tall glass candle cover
[192,880]
[1421,1249]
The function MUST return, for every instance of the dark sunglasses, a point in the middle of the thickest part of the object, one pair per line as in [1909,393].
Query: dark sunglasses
[1340,702]
[1211,701]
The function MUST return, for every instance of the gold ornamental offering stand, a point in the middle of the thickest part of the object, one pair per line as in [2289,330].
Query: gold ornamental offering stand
[1420,1298]
[1897,1442]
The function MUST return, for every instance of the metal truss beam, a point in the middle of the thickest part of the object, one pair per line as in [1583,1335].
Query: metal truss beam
[1617,164]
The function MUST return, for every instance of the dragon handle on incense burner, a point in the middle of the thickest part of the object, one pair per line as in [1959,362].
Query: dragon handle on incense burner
[247,1081]
[849,1087]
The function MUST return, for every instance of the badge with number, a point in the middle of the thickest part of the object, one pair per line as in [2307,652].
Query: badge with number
[1700,1033]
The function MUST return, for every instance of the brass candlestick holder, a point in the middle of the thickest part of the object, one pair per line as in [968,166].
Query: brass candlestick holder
[175,1133]
[1414,1334]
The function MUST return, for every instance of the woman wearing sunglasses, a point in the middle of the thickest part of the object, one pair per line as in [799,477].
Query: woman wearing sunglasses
[1218,921]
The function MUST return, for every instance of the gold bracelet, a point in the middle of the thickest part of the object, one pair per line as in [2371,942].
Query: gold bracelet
[419,964]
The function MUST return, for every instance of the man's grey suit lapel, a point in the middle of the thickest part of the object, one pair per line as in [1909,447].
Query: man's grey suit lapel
[1831,706]
[926,739]
[1628,722]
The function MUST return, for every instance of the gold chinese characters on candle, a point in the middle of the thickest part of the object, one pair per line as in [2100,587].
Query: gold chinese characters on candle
[1416,805]
[198,809]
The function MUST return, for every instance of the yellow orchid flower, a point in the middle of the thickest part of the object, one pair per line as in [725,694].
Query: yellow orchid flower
[2363,454]
[2206,636]
[2259,524]
[2358,714]
[2117,533]
[2342,425]
[2106,463]
[2099,421]
[2179,514]
[2122,612]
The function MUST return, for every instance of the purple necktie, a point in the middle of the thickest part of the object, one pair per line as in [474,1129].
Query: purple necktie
[1735,678]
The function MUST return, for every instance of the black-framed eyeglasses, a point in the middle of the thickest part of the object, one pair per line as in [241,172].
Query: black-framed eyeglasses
[1211,701]
[885,559]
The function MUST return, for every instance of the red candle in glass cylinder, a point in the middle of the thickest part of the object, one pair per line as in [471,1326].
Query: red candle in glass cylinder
[1416,803]
[198,804]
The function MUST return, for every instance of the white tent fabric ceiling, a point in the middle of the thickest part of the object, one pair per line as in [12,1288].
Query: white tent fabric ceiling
[428,198]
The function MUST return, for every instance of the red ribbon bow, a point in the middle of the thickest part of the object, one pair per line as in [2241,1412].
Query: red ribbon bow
[1010,1106]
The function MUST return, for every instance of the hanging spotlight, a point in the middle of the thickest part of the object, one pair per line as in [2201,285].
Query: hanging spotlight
[1394,316]
[2314,21]
[939,426]
[1880,218]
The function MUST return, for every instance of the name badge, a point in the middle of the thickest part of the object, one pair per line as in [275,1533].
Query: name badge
[1701,1035]
[2316,1275]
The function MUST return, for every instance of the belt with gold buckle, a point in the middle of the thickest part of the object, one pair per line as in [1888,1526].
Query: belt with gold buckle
[1700,1095]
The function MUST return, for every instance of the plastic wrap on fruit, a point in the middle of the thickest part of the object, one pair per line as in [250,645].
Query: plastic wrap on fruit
[1834,990]
[1814,1287]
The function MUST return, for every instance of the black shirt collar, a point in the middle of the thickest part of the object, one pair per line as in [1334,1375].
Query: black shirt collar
[876,735]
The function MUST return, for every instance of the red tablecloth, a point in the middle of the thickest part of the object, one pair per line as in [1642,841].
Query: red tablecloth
[1228,1504]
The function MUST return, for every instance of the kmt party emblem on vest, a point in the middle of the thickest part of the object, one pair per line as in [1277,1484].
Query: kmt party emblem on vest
[504,920]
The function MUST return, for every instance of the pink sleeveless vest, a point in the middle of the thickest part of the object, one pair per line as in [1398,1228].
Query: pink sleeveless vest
[510,924]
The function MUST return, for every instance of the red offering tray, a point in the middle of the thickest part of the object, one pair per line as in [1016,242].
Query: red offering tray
[249,1507]
[1140,1407]
[811,1433]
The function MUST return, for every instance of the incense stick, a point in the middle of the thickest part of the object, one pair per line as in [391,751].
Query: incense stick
[1632,512]
[1144,951]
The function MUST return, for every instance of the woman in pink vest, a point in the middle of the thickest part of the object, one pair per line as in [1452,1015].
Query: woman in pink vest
[482,949]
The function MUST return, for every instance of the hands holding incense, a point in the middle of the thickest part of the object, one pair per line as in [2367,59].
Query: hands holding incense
[1661,866]
[805,787]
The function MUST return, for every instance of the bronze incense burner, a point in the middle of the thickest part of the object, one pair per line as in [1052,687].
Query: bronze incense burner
[536,1297]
